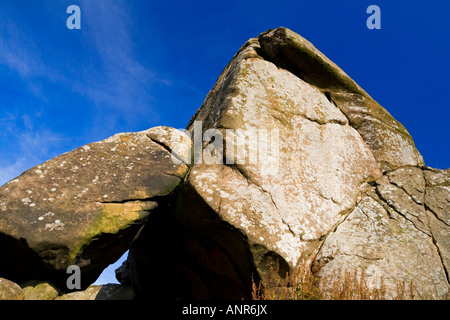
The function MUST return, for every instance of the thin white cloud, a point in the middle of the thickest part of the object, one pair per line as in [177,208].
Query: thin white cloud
[17,51]
[9,172]
[121,81]
[110,76]
[29,146]
[108,72]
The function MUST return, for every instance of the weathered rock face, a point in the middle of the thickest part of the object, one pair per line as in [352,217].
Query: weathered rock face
[102,292]
[329,181]
[39,290]
[391,239]
[437,206]
[10,290]
[390,142]
[322,163]
[83,207]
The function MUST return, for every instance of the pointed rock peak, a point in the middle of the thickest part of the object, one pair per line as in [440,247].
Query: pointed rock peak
[292,52]
[389,141]
[177,142]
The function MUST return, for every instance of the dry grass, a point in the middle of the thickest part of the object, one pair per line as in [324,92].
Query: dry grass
[303,285]
[354,287]
[298,285]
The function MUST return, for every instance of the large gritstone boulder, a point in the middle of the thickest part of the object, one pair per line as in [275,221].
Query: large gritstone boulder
[84,207]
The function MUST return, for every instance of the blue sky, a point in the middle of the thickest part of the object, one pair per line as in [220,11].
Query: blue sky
[141,63]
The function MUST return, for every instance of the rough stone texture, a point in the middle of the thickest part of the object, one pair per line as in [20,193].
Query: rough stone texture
[390,240]
[437,205]
[388,139]
[83,207]
[286,201]
[38,290]
[177,142]
[105,292]
[10,290]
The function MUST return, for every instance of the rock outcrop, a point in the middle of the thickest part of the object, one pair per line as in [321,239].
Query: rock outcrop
[390,142]
[10,290]
[40,290]
[83,208]
[288,165]
[101,292]
[325,156]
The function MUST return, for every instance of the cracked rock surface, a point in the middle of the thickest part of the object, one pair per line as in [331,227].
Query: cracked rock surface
[391,238]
